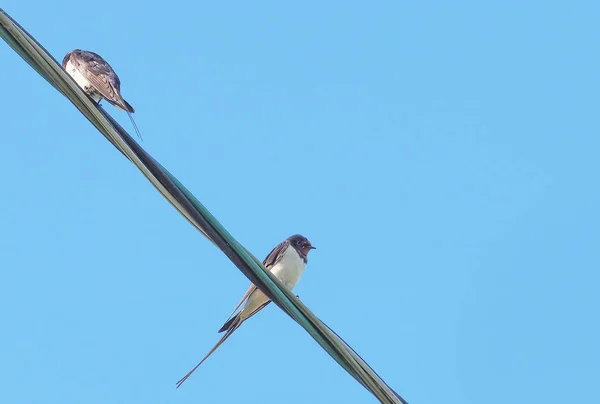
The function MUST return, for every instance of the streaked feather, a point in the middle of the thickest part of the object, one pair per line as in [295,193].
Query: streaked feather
[100,75]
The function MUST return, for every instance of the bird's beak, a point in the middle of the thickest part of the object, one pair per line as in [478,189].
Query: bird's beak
[313,248]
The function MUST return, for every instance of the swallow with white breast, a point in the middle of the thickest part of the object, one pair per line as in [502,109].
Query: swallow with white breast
[287,262]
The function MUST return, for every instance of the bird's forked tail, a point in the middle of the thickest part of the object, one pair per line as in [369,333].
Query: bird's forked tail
[233,324]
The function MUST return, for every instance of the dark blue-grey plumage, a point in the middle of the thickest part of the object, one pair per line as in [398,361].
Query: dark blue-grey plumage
[287,262]
[102,79]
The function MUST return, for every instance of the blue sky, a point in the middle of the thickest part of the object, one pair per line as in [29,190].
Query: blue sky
[442,157]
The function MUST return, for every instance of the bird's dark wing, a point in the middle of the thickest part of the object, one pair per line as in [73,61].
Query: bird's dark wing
[101,75]
[250,290]
[273,257]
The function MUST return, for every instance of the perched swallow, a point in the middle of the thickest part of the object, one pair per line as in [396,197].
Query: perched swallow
[287,262]
[97,78]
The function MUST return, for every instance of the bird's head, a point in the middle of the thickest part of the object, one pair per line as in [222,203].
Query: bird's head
[301,244]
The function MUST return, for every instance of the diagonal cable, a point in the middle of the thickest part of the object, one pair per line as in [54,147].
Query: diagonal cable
[183,200]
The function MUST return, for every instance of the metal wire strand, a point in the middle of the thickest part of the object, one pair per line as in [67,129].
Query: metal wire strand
[183,200]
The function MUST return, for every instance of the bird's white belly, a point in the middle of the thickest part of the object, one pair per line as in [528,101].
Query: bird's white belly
[82,81]
[289,269]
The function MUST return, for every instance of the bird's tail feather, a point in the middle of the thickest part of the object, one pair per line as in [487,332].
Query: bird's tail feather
[128,106]
[135,126]
[120,102]
[234,325]
[229,322]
